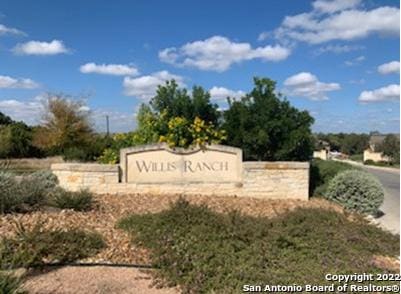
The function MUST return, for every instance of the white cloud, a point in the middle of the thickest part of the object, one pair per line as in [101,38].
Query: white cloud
[221,93]
[331,6]
[307,85]
[338,49]
[219,53]
[109,69]
[30,112]
[10,31]
[388,93]
[263,36]
[118,121]
[40,48]
[27,111]
[357,82]
[145,87]
[355,61]
[7,82]
[392,67]
[351,24]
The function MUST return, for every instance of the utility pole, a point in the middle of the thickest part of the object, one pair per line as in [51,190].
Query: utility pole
[107,125]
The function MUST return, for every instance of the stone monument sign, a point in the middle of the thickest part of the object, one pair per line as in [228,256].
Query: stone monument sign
[160,164]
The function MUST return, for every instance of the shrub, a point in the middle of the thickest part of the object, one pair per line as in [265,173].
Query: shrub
[209,252]
[369,162]
[35,188]
[109,156]
[29,193]
[37,246]
[46,179]
[356,190]
[10,199]
[321,172]
[10,284]
[357,157]
[78,201]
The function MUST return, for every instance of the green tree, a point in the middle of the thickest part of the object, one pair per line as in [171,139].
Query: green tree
[5,120]
[354,143]
[16,141]
[391,148]
[267,127]
[176,102]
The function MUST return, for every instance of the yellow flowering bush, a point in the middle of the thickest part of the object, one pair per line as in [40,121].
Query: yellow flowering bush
[181,133]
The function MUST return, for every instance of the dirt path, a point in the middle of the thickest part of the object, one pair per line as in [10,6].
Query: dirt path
[91,280]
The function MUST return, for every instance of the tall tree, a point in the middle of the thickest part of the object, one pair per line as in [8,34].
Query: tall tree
[177,102]
[65,124]
[267,127]
[391,148]
[5,119]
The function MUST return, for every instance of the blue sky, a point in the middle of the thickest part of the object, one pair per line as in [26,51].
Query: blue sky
[338,59]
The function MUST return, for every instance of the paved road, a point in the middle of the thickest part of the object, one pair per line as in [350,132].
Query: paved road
[391,206]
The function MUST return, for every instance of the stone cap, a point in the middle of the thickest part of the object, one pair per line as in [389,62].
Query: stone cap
[179,150]
[275,165]
[85,167]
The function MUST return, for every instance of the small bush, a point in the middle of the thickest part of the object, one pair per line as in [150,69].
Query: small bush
[357,157]
[35,188]
[369,161]
[379,163]
[26,194]
[75,154]
[79,201]
[38,246]
[10,284]
[356,190]
[10,198]
[322,171]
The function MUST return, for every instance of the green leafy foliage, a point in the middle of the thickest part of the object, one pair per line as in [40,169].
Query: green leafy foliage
[37,246]
[9,284]
[350,144]
[391,148]
[321,172]
[176,102]
[356,190]
[37,190]
[5,119]
[78,201]
[208,252]
[182,133]
[16,141]
[10,199]
[357,157]
[26,194]
[381,163]
[267,127]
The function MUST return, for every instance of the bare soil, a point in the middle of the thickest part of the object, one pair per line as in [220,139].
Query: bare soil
[99,280]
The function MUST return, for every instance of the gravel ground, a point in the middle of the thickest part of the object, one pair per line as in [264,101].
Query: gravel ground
[111,208]
[99,280]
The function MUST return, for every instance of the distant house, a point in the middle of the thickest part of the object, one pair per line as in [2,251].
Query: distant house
[323,149]
[372,152]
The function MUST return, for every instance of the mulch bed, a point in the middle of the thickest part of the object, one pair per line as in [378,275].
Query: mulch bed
[111,208]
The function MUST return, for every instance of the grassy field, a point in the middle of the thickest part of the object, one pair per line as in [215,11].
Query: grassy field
[204,251]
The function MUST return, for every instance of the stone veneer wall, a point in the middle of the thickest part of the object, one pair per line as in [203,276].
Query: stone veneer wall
[322,154]
[269,180]
[375,156]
